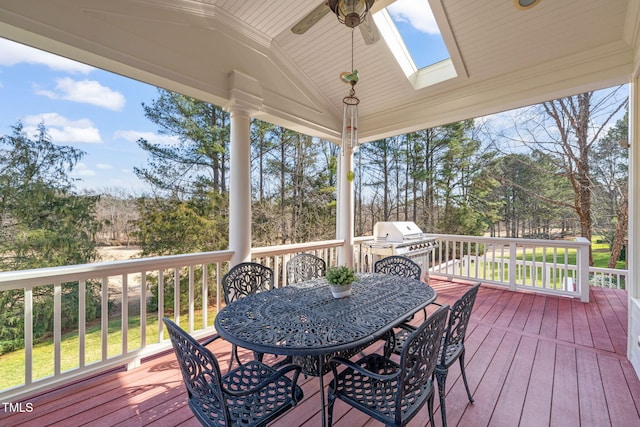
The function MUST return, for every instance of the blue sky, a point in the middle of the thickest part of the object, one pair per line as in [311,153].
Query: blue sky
[419,30]
[101,113]
[93,110]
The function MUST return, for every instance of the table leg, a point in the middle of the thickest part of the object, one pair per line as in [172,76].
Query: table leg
[322,408]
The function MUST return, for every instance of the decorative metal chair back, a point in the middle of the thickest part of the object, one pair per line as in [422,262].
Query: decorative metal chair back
[254,394]
[418,360]
[457,325]
[201,375]
[453,345]
[399,266]
[392,393]
[305,267]
[244,279]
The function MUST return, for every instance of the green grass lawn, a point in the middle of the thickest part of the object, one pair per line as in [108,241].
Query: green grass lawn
[600,252]
[12,365]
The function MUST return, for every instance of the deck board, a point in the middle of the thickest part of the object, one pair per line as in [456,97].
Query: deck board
[593,404]
[565,408]
[514,389]
[565,328]
[536,410]
[621,408]
[581,329]
[490,385]
[509,311]
[531,360]
[519,319]
[599,332]
[534,321]
[549,323]
[616,330]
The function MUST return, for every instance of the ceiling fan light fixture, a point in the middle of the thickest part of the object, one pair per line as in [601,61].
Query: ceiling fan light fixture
[350,12]
[525,4]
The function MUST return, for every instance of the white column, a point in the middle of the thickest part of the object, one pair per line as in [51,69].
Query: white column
[345,208]
[633,254]
[240,185]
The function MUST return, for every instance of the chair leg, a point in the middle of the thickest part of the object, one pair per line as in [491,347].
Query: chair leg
[331,401]
[464,377]
[390,342]
[441,375]
[430,406]
[234,356]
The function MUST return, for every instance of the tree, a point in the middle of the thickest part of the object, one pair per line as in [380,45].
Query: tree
[45,224]
[299,182]
[459,181]
[170,226]
[188,178]
[431,143]
[117,211]
[198,162]
[567,129]
[376,157]
[610,174]
[530,193]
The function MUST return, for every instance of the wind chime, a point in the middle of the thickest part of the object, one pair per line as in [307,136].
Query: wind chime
[350,107]
[351,13]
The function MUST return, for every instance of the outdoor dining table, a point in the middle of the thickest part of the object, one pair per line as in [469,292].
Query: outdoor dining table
[304,321]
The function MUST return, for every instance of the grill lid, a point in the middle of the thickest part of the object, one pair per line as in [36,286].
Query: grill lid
[396,231]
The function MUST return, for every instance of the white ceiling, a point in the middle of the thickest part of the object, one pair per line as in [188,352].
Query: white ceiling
[243,52]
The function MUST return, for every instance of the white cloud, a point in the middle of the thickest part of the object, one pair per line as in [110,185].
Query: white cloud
[415,12]
[82,170]
[15,53]
[85,91]
[154,138]
[104,166]
[63,130]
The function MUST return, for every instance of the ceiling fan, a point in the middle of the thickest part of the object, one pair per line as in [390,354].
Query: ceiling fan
[352,13]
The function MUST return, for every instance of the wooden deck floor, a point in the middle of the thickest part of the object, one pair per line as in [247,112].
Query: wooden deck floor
[531,360]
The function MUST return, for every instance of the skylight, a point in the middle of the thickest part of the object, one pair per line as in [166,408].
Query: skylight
[419,31]
[417,43]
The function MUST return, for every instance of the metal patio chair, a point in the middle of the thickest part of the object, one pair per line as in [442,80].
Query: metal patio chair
[305,267]
[452,343]
[398,265]
[244,279]
[391,392]
[253,394]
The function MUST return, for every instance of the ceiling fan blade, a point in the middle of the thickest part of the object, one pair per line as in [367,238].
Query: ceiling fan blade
[310,20]
[369,30]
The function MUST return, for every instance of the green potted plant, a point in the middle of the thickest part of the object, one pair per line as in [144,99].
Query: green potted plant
[340,280]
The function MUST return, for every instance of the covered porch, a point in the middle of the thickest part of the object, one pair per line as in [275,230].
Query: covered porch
[531,360]
[555,358]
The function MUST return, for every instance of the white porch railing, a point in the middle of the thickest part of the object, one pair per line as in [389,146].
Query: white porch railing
[124,289]
[188,287]
[550,266]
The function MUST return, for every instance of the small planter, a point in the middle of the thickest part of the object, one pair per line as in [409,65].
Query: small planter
[340,291]
[340,280]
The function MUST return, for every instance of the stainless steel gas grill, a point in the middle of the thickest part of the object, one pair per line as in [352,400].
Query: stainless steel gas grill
[400,238]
